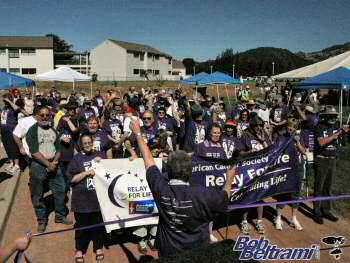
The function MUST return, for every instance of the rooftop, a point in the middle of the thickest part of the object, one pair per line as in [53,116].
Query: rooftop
[25,42]
[139,48]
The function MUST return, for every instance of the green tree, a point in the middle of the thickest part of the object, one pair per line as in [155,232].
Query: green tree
[62,50]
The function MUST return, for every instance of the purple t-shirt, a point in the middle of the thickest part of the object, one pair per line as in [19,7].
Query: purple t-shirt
[230,145]
[8,118]
[184,212]
[101,141]
[211,150]
[84,199]
[166,123]
[113,128]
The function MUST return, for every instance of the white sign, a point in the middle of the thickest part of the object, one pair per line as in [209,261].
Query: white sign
[123,192]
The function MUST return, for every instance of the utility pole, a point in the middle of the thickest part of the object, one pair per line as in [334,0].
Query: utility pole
[233,71]
[211,69]
[273,68]
[194,70]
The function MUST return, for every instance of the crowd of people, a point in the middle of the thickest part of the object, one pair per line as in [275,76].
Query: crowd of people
[59,136]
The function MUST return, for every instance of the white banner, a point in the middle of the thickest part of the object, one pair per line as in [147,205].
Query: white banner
[123,192]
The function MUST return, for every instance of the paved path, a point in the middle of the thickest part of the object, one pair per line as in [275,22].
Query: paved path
[60,248]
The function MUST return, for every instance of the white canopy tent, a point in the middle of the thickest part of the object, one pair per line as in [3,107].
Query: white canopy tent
[64,74]
[342,60]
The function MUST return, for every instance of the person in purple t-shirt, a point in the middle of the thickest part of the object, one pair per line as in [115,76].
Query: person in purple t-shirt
[184,210]
[84,199]
[231,144]
[100,137]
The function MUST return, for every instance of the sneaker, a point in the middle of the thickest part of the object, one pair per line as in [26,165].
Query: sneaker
[279,223]
[260,227]
[331,217]
[8,168]
[16,170]
[245,228]
[142,247]
[213,239]
[64,221]
[318,219]
[41,228]
[295,223]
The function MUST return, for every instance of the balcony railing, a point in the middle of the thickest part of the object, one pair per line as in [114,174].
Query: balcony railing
[72,62]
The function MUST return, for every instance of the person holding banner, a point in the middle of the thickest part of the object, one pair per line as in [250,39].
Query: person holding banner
[328,140]
[184,210]
[292,127]
[84,199]
[254,139]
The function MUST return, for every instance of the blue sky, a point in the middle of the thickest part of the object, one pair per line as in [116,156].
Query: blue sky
[200,29]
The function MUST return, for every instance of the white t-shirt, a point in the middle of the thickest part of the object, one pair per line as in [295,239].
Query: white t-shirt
[21,130]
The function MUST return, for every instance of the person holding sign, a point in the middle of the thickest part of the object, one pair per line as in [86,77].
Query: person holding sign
[184,210]
[84,199]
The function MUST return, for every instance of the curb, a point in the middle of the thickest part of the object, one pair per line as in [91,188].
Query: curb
[6,205]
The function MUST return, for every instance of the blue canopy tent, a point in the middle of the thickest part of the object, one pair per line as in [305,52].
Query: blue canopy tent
[8,80]
[218,78]
[338,78]
[194,79]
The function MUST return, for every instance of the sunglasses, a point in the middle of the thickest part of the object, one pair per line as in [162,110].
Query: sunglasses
[44,115]
[147,118]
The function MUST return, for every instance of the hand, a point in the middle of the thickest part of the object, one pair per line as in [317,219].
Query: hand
[346,128]
[135,126]
[22,151]
[52,166]
[66,139]
[98,159]
[66,119]
[90,173]
[22,243]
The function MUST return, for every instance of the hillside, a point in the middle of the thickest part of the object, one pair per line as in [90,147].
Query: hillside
[325,53]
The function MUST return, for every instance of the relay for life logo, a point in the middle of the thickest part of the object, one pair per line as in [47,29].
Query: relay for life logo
[262,249]
[336,242]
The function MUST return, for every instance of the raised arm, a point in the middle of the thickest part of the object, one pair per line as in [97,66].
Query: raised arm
[146,153]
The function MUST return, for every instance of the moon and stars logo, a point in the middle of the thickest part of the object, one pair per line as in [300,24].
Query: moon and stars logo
[118,198]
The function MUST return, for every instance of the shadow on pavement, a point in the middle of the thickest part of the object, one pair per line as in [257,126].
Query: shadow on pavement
[4,176]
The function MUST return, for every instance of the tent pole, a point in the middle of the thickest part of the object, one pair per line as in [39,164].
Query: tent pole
[228,98]
[90,89]
[341,106]
[217,90]
[73,84]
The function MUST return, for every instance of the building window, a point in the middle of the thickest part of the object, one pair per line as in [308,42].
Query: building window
[156,57]
[28,52]
[136,71]
[14,53]
[169,61]
[14,70]
[2,51]
[149,55]
[142,72]
[176,73]
[169,72]
[28,71]
[156,72]
[136,55]
[149,71]
[3,70]
[142,57]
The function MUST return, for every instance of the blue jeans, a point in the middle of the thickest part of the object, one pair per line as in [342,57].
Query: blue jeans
[40,176]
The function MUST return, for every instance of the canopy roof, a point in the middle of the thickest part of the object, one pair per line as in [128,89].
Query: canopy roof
[339,77]
[218,78]
[64,74]
[194,79]
[342,60]
[8,80]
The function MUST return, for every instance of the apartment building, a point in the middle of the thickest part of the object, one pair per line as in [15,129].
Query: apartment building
[26,56]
